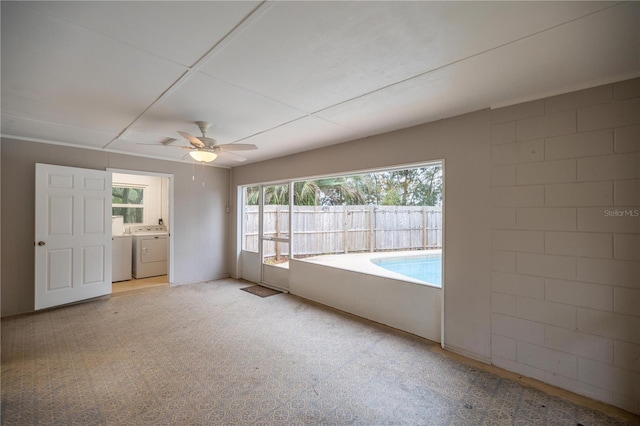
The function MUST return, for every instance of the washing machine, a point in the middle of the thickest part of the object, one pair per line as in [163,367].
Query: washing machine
[121,258]
[120,251]
[150,248]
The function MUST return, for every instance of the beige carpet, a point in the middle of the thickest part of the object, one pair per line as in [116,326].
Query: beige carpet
[210,354]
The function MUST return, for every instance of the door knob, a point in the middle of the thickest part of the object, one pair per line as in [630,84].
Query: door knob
[41,243]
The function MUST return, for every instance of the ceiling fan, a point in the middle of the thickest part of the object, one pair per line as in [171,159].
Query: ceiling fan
[206,149]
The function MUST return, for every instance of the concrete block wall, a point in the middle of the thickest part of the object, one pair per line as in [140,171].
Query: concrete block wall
[565,289]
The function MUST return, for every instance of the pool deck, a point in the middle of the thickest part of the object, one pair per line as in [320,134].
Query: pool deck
[361,262]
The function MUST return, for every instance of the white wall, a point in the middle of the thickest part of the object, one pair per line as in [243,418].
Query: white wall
[199,225]
[565,296]
[463,144]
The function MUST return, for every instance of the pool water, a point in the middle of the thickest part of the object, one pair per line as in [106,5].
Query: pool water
[427,268]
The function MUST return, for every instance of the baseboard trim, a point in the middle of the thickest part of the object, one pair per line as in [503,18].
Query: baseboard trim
[466,353]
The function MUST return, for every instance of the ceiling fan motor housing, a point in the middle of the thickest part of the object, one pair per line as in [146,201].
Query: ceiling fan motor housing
[209,142]
[204,126]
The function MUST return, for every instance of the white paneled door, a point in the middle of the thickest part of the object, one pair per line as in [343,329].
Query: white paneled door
[72,235]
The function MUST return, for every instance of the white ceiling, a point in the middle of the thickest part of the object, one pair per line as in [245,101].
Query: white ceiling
[291,76]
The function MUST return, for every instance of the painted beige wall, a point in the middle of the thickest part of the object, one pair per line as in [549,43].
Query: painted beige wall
[0,222]
[199,225]
[463,144]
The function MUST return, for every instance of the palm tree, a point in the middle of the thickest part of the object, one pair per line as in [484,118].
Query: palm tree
[410,187]
[275,194]
[326,192]
[336,191]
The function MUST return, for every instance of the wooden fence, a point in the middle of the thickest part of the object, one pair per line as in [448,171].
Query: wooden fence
[345,229]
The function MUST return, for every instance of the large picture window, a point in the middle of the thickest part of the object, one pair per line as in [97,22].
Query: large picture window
[389,222]
[382,211]
[128,201]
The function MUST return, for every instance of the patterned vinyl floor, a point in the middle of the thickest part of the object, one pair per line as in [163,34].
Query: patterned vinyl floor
[211,354]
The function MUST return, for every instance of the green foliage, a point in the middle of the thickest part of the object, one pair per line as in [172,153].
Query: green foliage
[125,195]
[413,187]
[409,187]
[129,215]
[122,197]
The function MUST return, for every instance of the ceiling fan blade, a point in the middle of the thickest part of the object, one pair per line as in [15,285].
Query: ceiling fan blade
[168,141]
[192,139]
[230,155]
[237,147]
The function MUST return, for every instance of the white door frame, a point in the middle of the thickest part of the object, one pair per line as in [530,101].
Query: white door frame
[279,278]
[171,206]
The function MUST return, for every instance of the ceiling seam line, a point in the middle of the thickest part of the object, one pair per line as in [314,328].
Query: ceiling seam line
[101,34]
[55,124]
[238,28]
[312,113]
[269,129]
[257,93]
[190,71]
[468,57]
[99,149]
[293,121]
[176,84]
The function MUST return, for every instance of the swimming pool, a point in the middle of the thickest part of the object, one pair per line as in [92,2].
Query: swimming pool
[427,268]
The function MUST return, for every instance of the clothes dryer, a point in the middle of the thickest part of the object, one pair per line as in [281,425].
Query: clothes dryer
[150,248]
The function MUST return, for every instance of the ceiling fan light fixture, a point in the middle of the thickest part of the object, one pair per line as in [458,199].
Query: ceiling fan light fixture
[203,156]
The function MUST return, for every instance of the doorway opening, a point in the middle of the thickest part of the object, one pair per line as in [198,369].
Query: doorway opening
[141,227]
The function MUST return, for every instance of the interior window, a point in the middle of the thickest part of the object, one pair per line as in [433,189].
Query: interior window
[128,202]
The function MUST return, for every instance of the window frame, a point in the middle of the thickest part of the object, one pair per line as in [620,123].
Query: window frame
[294,256]
[140,206]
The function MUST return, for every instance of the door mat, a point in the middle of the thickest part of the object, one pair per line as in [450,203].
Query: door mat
[258,290]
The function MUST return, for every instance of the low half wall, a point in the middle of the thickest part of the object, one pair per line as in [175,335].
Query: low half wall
[414,308]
